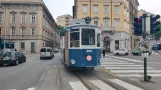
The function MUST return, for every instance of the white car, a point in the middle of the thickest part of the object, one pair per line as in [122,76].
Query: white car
[46,52]
[121,52]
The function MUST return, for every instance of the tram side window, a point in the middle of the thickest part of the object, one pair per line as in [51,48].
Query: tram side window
[88,36]
[74,39]
[98,40]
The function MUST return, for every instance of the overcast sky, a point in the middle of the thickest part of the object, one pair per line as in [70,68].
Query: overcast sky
[60,7]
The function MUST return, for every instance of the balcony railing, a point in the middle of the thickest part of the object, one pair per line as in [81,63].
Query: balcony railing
[21,37]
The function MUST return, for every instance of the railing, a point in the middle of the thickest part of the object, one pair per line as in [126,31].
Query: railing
[21,37]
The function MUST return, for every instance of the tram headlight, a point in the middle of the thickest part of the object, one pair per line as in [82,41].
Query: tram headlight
[72,61]
[89,58]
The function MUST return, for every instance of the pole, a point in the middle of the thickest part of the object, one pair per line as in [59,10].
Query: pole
[111,13]
[145,59]
[90,8]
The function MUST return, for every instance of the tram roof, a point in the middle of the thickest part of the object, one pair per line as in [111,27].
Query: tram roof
[82,25]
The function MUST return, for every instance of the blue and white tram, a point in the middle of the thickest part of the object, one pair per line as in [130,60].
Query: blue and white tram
[81,46]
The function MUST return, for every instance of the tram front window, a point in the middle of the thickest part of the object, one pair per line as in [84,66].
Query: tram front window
[74,39]
[88,36]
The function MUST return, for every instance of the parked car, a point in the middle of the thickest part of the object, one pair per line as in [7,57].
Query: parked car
[46,52]
[56,50]
[13,58]
[121,52]
[136,51]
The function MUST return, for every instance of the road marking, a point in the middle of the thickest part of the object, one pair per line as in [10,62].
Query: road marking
[129,68]
[116,61]
[31,89]
[107,63]
[12,89]
[135,71]
[126,59]
[77,85]
[124,65]
[102,85]
[125,85]
[129,75]
[154,75]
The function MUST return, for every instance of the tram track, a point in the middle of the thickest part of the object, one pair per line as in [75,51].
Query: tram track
[87,78]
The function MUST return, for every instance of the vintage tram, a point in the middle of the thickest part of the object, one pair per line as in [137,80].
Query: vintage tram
[81,46]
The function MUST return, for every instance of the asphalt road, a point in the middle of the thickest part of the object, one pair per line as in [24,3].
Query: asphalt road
[25,76]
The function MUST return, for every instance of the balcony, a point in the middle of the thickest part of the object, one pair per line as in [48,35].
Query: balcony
[21,37]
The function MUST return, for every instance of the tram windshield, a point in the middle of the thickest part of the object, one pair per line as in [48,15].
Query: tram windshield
[88,36]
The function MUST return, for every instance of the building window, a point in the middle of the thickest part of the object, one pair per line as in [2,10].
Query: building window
[13,29]
[116,8]
[106,23]
[124,24]
[23,32]
[95,8]
[23,18]
[117,44]
[1,17]
[106,9]
[33,18]
[125,12]
[33,31]
[117,23]
[13,18]
[85,8]
[22,45]
[95,22]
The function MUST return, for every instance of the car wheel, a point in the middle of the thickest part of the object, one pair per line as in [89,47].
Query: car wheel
[126,53]
[25,60]
[1,64]
[17,62]
[117,53]
[41,58]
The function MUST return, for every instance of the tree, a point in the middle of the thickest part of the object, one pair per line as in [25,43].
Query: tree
[61,29]
[157,34]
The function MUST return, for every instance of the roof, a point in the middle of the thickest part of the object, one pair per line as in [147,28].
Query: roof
[81,25]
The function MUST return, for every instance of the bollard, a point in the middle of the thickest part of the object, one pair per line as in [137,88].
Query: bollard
[145,69]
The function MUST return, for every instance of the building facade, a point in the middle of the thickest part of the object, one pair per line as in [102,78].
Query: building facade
[64,20]
[133,9]
[112,16]
[29,24]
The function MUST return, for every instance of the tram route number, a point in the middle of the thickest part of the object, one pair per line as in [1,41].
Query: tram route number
[89,50]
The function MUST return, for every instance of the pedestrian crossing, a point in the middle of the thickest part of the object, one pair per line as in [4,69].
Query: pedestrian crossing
[127,68]
[78,85]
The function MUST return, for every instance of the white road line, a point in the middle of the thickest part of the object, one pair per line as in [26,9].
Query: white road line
[123,65]
[12,89]
[129,75]
[135,71]
[77,85]
[115,63]
[102,85]
[155,75]
[125,85]
[126,59]
[129,68]
[31,89]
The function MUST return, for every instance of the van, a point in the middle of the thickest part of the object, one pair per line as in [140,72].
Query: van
[46,52]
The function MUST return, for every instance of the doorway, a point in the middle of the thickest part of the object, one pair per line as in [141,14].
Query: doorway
[32,47]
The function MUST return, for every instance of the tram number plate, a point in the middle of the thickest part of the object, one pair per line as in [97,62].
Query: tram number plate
[89,50]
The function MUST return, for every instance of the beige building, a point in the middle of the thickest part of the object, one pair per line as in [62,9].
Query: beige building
[29,24]
[64,20]
[112,16]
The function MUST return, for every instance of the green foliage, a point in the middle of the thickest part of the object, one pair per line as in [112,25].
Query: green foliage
[61,29]
[157,34]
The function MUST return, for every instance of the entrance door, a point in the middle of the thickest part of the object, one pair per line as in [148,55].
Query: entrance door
[32,47]
[107,46]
